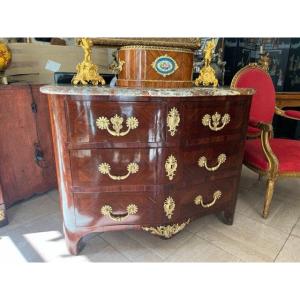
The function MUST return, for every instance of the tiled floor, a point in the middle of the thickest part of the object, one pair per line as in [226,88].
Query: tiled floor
[35,233]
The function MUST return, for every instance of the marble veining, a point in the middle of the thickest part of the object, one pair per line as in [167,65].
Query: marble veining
[158,92]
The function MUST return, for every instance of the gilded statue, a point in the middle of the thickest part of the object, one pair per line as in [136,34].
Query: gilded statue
[207,74]
[87,72]
[264,61]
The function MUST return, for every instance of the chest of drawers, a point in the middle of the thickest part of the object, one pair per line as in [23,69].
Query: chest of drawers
[146,159]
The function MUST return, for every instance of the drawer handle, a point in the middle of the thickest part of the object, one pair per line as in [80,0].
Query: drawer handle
[117,124]
[202,162]
[214,121]
[105,168]
[107,211]
[199,199]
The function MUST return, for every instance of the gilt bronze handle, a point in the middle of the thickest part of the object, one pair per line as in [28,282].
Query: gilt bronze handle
[117,124]
[214,121]
[106,210]
[202,162]
[132,168]
[199,199]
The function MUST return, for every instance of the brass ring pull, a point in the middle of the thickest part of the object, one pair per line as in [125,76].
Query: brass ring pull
[105,168]
[202,162]
[107,211]
[214,121]
[199,199]
[117,124]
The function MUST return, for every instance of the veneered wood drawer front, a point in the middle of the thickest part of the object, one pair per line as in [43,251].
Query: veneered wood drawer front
[105,209]
[207,197]
[214,120]
[108,167]
[110,123]
[215,161]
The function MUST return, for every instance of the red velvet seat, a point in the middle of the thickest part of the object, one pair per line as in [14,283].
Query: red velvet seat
[283,149]
[264,154]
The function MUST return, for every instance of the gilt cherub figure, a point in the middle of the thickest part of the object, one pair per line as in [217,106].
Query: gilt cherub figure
[207,74]
[87,72]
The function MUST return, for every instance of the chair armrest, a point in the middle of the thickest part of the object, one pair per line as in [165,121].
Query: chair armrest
[290,114]
[261,125]
[265,135]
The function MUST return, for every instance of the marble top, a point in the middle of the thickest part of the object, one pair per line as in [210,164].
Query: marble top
[158,92]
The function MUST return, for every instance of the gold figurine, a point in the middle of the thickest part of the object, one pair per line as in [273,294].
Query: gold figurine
[264,61]
[207,74]
[87,72]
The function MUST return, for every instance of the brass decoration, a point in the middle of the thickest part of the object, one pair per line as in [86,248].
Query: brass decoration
[166,231]
[2,214]
[5,59]
[207,74]
[173,120]
[106,210]
[87,72]
[104,168]
[215,118]
[169,207]
[171,166]
[117,65]
[202,162]
[264,61]
[199,199]
[186,43]
[117,121]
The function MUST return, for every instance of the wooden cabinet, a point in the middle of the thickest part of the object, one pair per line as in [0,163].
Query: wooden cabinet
[26,151]
[134,159]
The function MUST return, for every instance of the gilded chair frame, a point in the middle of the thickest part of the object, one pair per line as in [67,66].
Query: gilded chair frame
[266,132]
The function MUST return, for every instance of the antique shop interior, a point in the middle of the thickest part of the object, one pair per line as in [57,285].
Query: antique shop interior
[149,149]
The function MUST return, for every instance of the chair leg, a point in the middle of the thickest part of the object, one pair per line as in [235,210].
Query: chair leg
[268,197]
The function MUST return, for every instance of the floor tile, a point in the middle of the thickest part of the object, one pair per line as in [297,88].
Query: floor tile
[282,215]
[107,254]
[290,251]
[245,239]
[161,247]
[54,195]
[199,250]
[125,244]
[296,229]
[31,209]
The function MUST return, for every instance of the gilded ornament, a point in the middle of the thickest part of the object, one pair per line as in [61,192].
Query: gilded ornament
[202,162]
[166,231]
[214,120]
[199,199]
[87,72]
[164,65]
[107,211]
[117,125]
[117,65]
[207,74]
[169,207]
[5,59]
[171,166]
[264,61]
[104,168]
[173,120]
[2,214]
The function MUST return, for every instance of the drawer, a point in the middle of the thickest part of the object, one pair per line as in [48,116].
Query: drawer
[215,161]
[105,209]
[110,123]
[214,120]
[95,168]
[212,195]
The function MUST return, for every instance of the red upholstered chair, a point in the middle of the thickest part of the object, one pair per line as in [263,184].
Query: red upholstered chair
[264,154]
